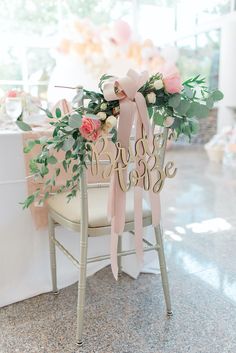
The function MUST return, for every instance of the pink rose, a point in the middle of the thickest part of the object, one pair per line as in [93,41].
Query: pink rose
[172,84]
[90,128]
[171,79]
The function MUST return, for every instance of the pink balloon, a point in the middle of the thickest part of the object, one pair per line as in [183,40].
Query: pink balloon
[121,32]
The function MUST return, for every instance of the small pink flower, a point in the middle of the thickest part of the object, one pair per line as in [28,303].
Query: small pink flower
[171,79]
[12,94]
[90,128]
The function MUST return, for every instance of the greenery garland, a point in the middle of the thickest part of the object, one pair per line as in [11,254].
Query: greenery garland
[179,110]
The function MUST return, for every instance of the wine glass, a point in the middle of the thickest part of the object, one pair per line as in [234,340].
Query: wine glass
[13,107]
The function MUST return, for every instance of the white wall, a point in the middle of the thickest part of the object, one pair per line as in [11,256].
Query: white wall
[227,75]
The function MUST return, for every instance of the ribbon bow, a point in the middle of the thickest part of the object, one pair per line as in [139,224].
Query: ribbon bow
[132,109]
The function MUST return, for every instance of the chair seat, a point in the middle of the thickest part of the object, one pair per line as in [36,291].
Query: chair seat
[97,207]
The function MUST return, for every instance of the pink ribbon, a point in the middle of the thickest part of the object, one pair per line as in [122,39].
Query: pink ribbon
[64,106]
[132,109]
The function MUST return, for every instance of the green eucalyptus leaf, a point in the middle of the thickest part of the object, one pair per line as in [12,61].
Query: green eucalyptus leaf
[46,195]
[91,116]
[33,166]
[189,92]
[75,168]
[217,95]
[68,129]
[58,112]
[114,135]
[150,112]
[44,170]
[47,112]
[203,111]
[28,201]
[193,124]
[64,165]
[30,146]
[174,100]
[68,143]
[158,118]
[75,121]
[176,124]
[198,110]
[47,182]
[210,102]
[68,154]
[183,107]
[193,110]
[55,132]
[52,160]
[23,126]
[43,140]
[32,143]
[187,130]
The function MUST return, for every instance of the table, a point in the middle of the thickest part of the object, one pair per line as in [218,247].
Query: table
[24,251]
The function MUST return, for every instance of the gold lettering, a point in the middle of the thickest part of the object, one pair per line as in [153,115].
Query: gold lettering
[159,181]
[147,172]
[168,167]
[133,178]
[122,174]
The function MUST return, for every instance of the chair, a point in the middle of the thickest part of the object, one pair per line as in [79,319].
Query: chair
[90,222]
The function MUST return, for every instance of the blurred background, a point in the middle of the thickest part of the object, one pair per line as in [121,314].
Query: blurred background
[44,43]
[71,42]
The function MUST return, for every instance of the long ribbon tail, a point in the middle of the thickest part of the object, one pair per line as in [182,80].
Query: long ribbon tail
[132,103]
[114,245]
[154,197]
[117,197]
[112,212]
[138,199]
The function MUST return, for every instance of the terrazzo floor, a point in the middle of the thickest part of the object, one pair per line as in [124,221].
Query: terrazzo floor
[199,217]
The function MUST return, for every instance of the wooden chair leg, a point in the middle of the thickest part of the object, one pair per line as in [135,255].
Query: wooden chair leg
[119,249]
[164,275]
[52,248]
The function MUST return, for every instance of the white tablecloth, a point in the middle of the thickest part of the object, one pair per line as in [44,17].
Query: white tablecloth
[24,253]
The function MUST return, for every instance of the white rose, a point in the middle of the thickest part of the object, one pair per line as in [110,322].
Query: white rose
[102,115]
[158,84]
[168,121]
[151,97]
[111,121]
[103,106]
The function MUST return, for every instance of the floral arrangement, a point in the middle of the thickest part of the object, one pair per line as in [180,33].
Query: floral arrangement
[27,103]
[169,103]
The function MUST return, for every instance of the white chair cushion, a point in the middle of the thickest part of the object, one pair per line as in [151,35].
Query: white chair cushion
[97,207]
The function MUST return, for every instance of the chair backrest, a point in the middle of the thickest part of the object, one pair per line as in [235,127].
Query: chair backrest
[147,155]
[105,153]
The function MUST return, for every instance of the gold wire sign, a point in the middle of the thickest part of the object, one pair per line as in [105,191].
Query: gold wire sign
[149,171]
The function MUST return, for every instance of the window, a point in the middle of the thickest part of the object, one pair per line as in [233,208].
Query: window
[156,22]
[29,33]
[198,37]
[29,36]
[200,54]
